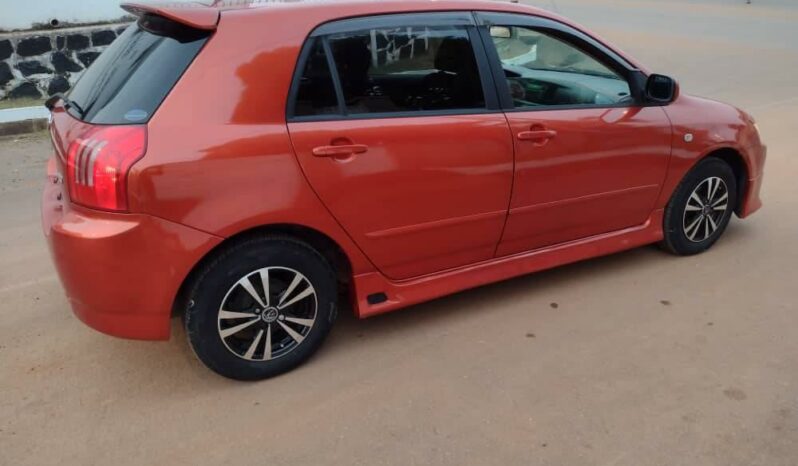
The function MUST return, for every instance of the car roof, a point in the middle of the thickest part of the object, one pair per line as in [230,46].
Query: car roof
[205,14]
[341,8]
[386,5]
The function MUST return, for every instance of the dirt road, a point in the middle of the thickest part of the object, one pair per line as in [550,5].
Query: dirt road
[635,359]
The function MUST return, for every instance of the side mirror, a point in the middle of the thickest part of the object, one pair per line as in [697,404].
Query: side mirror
[661,89]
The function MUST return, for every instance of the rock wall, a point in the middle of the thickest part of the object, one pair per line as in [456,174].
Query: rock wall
[42,63]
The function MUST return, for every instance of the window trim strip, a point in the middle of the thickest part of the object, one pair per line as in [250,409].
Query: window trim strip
[293,90]
[336,79]
[389,20]
[384,115]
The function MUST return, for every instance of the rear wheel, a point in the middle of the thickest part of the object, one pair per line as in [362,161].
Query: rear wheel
[700,209]
[261,308]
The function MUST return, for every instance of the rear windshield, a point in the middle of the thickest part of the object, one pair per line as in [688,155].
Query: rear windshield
[127,83]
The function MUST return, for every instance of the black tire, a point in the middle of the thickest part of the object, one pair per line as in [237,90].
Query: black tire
[221,281]
[683,236]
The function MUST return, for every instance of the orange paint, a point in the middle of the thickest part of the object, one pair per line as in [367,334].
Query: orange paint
[422,206]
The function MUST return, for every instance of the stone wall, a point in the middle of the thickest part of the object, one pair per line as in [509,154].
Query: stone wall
[42,63]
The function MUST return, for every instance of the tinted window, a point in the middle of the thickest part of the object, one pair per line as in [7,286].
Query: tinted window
[316,92]
[407,69]
[128,82]
[544,70]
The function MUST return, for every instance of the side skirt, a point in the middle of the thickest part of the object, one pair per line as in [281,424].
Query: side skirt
[407,292]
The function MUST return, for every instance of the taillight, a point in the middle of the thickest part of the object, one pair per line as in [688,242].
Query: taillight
[98,163]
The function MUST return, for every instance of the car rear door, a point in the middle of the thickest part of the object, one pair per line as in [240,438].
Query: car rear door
[396,125]
[589,159]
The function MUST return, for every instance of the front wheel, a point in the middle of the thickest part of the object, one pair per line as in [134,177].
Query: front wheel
[700,209]
[261,308]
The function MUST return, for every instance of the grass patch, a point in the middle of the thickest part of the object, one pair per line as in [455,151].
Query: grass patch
[21,102]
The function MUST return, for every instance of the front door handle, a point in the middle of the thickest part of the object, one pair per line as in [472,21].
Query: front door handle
[539,135]
[343,150]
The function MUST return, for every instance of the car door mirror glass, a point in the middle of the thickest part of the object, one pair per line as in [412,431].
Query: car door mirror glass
[661,89]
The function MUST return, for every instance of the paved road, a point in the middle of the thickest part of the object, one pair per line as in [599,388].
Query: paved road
[635,359]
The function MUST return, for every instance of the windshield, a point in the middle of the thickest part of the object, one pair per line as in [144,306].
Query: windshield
[127,83]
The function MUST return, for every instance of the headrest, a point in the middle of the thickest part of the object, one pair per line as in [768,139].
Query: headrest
[454,54]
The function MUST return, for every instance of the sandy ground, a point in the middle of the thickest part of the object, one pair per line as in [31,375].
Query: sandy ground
[635,359]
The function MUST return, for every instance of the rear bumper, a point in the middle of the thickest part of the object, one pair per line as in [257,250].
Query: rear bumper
[121,272]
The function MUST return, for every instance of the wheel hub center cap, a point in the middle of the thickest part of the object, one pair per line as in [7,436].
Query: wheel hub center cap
[269,315]
[706,210]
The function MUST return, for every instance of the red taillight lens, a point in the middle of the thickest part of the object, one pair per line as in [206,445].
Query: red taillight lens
[98,163]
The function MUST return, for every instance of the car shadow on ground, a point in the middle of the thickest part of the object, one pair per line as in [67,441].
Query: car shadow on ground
[350,334]
[488,298]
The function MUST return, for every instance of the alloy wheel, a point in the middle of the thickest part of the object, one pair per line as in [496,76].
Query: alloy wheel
[267,313]
[705,209]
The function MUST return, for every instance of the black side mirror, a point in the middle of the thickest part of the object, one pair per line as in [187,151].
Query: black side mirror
[50,103]
[661,89]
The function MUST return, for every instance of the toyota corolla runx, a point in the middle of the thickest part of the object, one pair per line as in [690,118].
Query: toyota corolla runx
[254,167]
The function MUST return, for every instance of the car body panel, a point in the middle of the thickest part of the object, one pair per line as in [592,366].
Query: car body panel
[405,293]
[713,126]
[121,272]
[420,204]
[601,172]
[242,135]
[220,163]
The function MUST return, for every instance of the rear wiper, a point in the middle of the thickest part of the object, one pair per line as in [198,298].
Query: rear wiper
[50,103]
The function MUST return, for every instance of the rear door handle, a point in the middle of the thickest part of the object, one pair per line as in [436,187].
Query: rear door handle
[537,135]
[339,151]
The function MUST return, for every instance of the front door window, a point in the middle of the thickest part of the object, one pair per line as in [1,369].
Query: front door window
[542,70]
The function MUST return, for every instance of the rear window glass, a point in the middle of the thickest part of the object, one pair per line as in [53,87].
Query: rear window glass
[127,83]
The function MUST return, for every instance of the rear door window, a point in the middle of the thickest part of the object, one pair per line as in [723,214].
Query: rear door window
[407,69]
[392,65]
[127,83]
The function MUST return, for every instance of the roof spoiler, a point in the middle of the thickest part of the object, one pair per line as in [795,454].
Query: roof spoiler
[190,14]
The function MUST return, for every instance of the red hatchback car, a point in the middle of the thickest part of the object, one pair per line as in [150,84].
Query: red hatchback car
[252,166]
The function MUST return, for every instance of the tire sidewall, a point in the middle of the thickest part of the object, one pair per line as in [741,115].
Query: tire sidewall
[675,238]
[205,299]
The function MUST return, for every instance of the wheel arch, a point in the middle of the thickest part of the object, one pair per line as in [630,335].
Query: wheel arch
[735,159]
[323,243]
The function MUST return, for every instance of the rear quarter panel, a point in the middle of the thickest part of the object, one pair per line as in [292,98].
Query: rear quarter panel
[219,158]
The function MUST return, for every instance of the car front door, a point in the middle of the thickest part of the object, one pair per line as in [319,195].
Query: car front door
[589,159]
[397,127]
